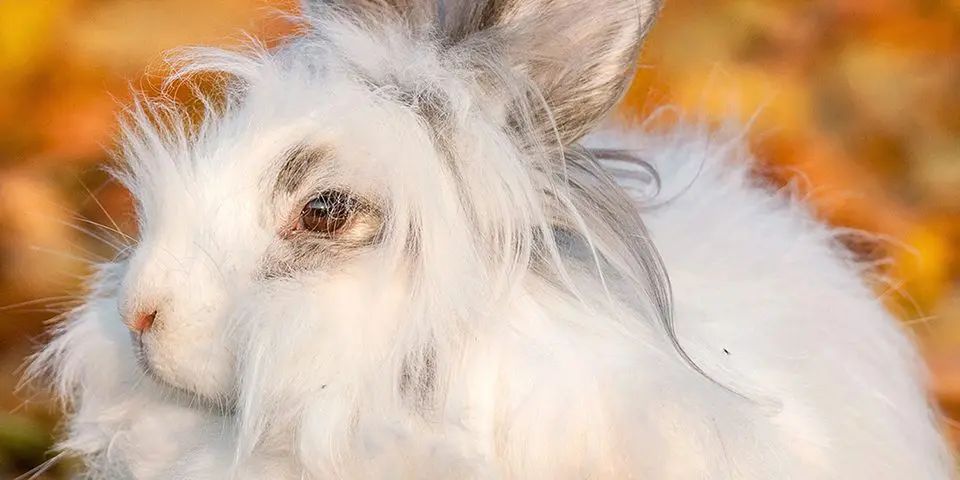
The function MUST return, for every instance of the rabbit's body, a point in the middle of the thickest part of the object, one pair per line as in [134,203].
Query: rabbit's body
[466,294]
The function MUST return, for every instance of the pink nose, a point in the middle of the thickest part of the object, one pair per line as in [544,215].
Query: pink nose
[143,321]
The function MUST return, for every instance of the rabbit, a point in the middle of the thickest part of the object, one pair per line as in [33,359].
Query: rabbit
[411,242]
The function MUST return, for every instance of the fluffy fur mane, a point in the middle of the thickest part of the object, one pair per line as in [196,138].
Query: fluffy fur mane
[497,309]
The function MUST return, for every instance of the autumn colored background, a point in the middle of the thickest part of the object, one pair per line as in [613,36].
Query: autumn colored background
[856,101]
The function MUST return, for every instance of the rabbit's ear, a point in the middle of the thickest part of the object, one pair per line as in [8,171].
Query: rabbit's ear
[580,54]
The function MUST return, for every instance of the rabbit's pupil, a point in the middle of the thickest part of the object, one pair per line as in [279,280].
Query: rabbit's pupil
[327,214]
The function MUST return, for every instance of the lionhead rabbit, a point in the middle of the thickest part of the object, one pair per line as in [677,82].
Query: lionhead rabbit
[397,251]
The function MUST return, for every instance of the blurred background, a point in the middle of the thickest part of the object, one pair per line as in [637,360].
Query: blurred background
[856,101]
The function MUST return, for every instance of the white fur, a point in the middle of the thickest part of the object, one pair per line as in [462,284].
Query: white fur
[805,376]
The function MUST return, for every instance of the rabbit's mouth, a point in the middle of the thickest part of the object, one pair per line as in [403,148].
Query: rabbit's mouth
[223,405]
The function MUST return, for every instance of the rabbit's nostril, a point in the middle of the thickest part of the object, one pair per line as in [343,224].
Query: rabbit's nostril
[143,321]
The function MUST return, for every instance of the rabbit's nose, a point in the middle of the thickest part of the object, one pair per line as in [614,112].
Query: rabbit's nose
[141,321]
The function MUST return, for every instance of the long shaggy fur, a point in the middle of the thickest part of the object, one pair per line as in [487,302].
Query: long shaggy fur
[497,309]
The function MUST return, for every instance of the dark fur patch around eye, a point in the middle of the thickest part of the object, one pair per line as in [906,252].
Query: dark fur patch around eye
[303,251]
[300,251]
[296,165]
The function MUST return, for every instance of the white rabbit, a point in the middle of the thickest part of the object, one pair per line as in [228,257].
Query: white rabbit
[393,251]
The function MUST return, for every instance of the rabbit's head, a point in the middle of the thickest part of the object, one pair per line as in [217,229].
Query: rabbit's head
[373,193]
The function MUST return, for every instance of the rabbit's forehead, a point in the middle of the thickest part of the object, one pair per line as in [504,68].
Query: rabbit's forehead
[343,138]
[372,133]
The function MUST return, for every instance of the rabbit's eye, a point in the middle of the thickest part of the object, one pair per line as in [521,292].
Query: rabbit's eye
[327,214]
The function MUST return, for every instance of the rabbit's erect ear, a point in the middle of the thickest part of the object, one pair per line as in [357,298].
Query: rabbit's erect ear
[580,54]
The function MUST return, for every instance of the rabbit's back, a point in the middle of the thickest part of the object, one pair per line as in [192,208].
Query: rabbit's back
[818,380]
